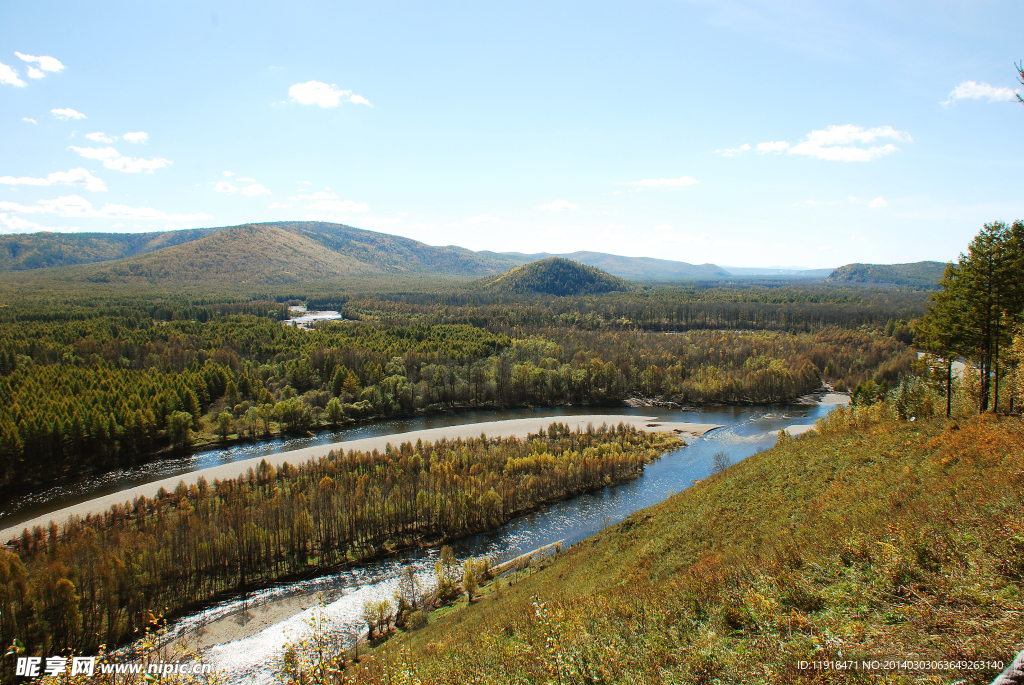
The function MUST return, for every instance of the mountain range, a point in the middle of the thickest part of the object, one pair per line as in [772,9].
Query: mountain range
[299,251]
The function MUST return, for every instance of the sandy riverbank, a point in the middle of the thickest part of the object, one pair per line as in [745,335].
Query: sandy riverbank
[518,428]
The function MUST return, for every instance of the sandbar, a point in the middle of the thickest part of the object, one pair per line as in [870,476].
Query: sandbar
[518,428]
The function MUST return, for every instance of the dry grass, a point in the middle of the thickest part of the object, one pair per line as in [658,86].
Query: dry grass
[892,540]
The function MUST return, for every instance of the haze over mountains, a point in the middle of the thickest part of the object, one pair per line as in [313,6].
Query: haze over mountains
[298,251]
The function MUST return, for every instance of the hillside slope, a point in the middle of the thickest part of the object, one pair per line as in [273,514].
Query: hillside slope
[253,254]
[29,251]
[555,276]
[916,274]
[895,540]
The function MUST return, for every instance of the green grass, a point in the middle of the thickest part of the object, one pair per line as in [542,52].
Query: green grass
[893,540]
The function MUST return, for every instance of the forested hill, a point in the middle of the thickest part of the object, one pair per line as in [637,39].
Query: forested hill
[41,250]
[917,274]
[280,252]
[556,276]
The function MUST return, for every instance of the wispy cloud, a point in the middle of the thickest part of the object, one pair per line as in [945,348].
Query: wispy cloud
[733,151]
[225,187]
[338,206]
[99,137]
[72,177]
[665,182]
[254,190]
[229,174]
[322,94]
[112,159]
[559,205]
[318,195]
[45,62]
[136,137]
[9,76]
[74,206]
[878,203]
[31,121]
[844,143]
[972,90]
[66,113]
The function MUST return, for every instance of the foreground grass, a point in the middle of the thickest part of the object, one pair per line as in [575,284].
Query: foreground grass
[892,541]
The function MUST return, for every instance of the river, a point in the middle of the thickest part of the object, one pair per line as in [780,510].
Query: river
[244,636]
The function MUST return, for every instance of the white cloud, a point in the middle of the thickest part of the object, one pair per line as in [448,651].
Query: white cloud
[483,219]
[319,195]
[878,203]
[66,113]
[972,90]
[45,63]
[136,137]
[9,76]
[31,121]
[318,93]
[304,182]
[229,174]
[243,179]
[112,159]
[99,137]
[559,205]
[840,143]
[333,218]
[665,182]
[35,73]
[339,206]
[71,177]
[733,151]
[74,206]
[254,190]
[772,146]
[225,187]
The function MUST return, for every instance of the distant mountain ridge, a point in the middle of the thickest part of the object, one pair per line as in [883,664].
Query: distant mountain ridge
[916,274]
[635,268]
[26,251]
[296,251]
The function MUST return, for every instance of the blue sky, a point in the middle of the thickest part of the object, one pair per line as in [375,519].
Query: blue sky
[739,133]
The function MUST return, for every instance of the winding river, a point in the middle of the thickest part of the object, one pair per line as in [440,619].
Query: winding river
[244,636]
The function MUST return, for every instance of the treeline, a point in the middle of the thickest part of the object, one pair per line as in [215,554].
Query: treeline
[104,392]
[94,581]
[749,306]
[978,312]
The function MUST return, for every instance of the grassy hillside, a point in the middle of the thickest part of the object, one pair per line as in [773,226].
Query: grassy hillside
[555,276]
[893,540]
[917,274]
[40,250]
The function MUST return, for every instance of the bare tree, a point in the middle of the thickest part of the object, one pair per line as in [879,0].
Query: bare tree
[1020,78]
[721,462]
